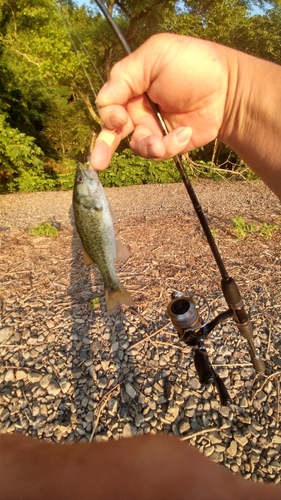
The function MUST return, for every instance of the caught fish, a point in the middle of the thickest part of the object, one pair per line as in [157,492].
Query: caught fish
[93,219]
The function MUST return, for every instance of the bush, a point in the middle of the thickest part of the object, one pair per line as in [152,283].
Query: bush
[21,164]
[126,169]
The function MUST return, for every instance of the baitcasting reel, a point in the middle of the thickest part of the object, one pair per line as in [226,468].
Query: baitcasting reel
[192,331]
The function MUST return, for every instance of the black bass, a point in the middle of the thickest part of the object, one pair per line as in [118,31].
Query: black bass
[93,219]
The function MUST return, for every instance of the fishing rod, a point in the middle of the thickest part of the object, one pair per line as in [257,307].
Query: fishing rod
[182,309]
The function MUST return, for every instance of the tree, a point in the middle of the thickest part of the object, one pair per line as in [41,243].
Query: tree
[54,57]
[40,54]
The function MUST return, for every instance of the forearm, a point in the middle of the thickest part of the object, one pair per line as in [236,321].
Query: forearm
[140,468]
[252,123]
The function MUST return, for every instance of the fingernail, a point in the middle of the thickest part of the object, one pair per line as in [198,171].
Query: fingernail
[116,121]
[183,134]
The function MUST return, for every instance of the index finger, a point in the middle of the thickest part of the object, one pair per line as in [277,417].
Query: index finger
[109,139]
[120,121]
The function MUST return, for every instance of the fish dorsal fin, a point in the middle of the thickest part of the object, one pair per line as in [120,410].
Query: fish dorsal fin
[122,252]
[86,258]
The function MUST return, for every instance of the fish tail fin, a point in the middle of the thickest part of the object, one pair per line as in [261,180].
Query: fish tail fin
[114,298]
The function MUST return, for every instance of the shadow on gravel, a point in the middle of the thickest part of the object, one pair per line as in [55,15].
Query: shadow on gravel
[94,354]
[79,408]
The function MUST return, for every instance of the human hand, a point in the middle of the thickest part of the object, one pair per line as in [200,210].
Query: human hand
[189,80]
[141,468]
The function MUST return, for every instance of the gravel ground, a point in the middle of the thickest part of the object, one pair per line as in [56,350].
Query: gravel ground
[69,372]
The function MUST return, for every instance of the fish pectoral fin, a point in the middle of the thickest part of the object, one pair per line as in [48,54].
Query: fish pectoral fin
[122,252]
[86,258]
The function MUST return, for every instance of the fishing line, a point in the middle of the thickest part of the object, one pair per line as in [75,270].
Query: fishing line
[85,49]
[177,158]
[68,25]
[66,21]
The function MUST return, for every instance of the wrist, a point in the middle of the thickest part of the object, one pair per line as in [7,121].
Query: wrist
[251,125]
[236,104]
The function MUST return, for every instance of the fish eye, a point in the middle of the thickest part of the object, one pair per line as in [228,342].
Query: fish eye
[79,178]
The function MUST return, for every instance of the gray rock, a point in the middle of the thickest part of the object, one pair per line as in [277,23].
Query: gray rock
[139,419]
[254,457]
[130,390]
[184,426]
[191,403]
[261,396]
[232,449]
[112,407]
[114,347]
[215,437]
[276,439]
[276,464]
[34,377]
[53,389]
[195,426]
[209,450]
[5,333]
[9,375]
[129,430]
[21,374]
[194,383]
[44,382]
[102,382]
[65,385]
[4,414]
[243,402]
[173,412]
[240,439]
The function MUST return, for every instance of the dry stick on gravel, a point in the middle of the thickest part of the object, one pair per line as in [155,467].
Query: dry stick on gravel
[101,407]
[200,433]
[134,311]
[273,375]
[278,401]
[159,342]
[149,336]
[233,365]
[271,319]
[278,394]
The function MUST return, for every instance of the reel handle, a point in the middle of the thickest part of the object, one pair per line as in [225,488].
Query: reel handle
[207,374]
[203,366]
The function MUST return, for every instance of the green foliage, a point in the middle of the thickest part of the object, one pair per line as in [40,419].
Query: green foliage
[21,161]
[44,229]
[48,82]
[242,229]
[126,169]
[266,230]
[94,303]
[65,179]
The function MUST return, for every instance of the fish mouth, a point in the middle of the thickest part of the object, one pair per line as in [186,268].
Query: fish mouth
[83,169]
